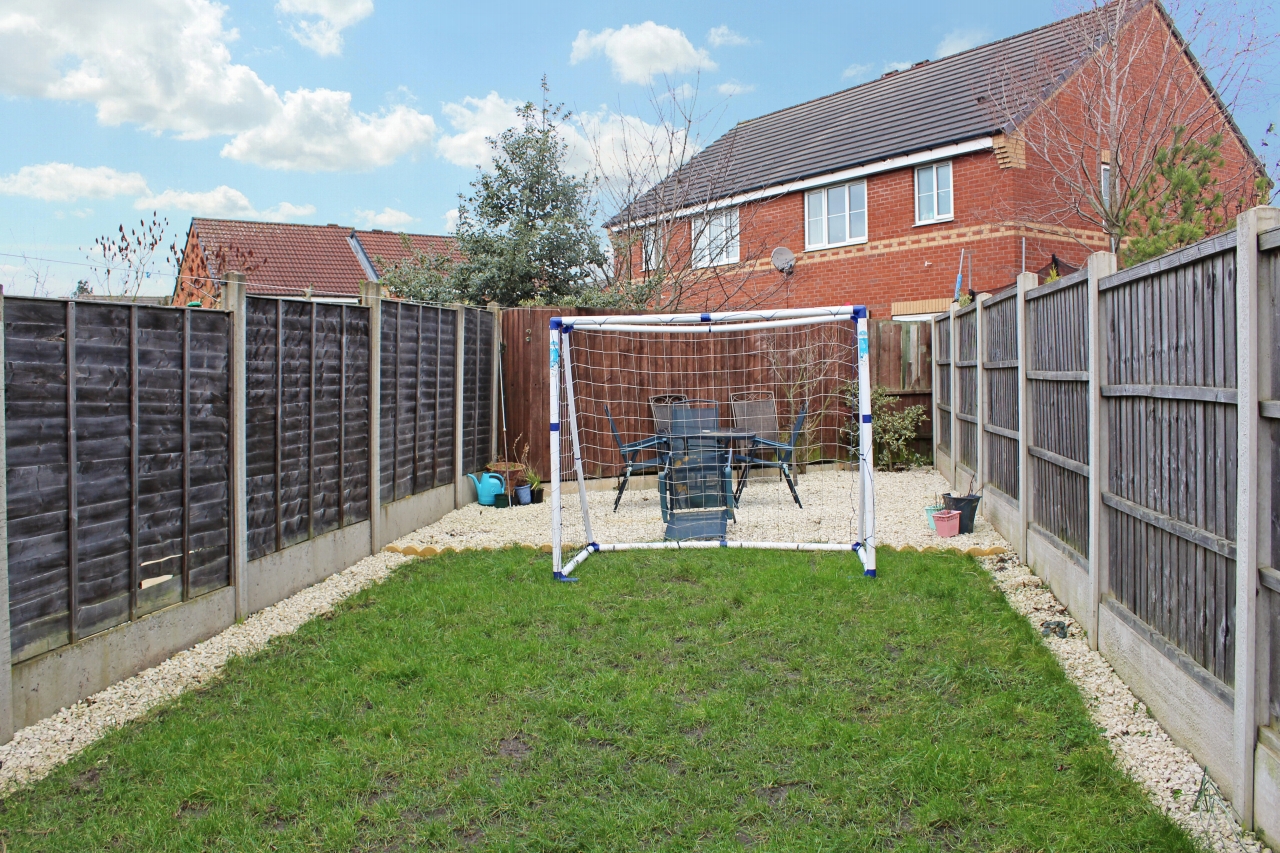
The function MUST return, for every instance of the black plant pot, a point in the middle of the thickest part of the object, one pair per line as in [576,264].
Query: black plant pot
[966,505]
[537,495]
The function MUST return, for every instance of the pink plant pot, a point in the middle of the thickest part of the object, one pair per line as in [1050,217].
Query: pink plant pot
[947,523]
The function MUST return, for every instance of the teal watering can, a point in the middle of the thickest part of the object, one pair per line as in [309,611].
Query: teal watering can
[487,485]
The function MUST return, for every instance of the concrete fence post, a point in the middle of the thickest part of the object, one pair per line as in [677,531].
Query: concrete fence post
[955,399]
[235,300]
[371,297]
[1101,264]
[495,396]
[1026,498]
[459,385]
[1253,505]
[980,392]
[6,671]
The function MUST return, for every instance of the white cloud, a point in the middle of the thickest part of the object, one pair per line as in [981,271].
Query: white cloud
[324,36]
[857,70]
[733,87]
[67,182]
[388,218]
[317,131]
[722,36]
[475,121]
[958,41]
[640,51]
[222,202]
[451,221]
[166,65]
[895,66]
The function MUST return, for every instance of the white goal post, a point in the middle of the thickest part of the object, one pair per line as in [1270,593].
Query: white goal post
[848,369]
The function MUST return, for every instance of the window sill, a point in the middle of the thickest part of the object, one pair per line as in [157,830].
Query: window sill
[934,222]
[861,242]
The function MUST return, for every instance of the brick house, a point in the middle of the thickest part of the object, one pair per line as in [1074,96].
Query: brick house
[281,259]
[877,189]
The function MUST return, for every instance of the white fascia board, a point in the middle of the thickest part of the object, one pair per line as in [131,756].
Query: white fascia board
[880,166]
[365,263]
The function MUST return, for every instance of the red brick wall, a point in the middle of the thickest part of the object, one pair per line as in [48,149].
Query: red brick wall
[193,277]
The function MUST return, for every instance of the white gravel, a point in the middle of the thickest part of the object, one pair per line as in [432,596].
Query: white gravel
[766,514]
[37,749]
[1171,776]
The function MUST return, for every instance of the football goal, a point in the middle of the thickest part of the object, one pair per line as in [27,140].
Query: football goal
[703,425]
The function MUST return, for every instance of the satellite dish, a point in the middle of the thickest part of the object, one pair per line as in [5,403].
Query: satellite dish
[784,260]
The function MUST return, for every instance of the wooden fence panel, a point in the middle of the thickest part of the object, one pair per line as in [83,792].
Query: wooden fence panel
[117,444]
[1000,371]
[967,390]
[306,420]
[943,390]
[1269,280]
[1058,409]
[477,389]
[419,346]
[1170,393]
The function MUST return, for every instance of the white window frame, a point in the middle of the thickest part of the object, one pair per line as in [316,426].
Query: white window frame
[1104,184]
[814,242]
[704,255]
[932,169]
[652,249]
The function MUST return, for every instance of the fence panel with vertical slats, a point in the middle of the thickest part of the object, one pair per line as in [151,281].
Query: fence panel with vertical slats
[419,345]
[118,452]
[943,390]
[1058,409]
[1000,371]
[967,390]
[1170,404]
[1269,278]
[306,430]
[477,385]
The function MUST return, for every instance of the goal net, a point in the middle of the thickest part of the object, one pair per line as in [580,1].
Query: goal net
[746,429]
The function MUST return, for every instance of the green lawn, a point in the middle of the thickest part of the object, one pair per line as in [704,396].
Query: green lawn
[670,701]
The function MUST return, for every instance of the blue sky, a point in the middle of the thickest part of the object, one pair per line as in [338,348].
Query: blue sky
[372,112]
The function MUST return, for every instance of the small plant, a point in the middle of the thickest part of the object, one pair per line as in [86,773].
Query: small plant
[530,473]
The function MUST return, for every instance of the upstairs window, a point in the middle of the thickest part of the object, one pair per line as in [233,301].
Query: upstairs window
[933,193]
[715,239]
[1104,184]
[836,216]
[653,249]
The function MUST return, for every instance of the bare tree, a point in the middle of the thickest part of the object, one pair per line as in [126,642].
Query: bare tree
[34,274]
[1095,108]
[675,242]
[123,262]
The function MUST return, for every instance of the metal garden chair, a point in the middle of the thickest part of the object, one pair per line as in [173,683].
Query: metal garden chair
[757,411]
[632,449]
[696,484]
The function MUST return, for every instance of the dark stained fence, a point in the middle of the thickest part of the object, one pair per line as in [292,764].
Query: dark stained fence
[1000,426]
[419,360]
[942,389]
[1170,404]
[967,391]
[1269,278]
[118,452]
[477,389]
[307,420]
[1058,409]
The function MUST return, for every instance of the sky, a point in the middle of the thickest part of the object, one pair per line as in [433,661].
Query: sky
[374,113]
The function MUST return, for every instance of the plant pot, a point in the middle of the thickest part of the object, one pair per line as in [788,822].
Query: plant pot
[947,523]
[966,505]
[537,495]
[501,501]
[524,495]
[928,514]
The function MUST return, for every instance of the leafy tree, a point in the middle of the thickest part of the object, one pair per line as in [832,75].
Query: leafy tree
[526,232]
[1179,201]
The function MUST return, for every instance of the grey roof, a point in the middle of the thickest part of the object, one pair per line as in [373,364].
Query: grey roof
[928,105]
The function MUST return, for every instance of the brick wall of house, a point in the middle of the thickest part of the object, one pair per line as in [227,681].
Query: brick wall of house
[193,277]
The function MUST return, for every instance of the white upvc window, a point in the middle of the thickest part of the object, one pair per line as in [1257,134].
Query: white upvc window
[1104,181]
[653,249]
[835,216]
[715,238]
[933,193]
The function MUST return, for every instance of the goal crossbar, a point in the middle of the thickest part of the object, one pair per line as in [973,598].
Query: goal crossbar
[561,364]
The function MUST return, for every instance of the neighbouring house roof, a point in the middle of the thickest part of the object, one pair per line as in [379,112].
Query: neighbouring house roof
[930,105]
[389,246]
[299,260]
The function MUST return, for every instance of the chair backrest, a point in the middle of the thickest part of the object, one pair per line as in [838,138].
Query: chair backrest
[613,427]
[661,406]
[756,411]
[693,416]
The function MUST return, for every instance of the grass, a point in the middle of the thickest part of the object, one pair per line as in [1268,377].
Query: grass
[674,701]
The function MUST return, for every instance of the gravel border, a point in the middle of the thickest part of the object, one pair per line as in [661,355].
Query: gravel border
[1170,775]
